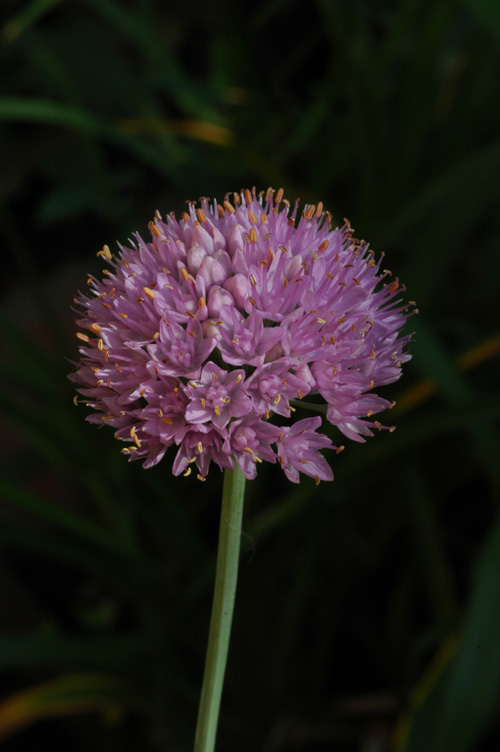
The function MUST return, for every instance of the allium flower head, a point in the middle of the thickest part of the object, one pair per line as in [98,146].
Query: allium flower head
[209,337]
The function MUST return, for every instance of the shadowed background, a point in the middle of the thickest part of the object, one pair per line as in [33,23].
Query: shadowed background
[368,611]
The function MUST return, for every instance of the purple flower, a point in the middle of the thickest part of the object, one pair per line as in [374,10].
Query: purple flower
[208,338]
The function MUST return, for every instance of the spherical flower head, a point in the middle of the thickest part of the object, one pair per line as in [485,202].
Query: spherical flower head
[208,337]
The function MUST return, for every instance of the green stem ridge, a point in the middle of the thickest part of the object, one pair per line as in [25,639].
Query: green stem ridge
[222,609]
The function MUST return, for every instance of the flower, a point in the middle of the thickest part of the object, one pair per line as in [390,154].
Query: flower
[209,337]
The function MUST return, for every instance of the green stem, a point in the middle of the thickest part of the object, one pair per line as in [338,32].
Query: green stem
[222,609]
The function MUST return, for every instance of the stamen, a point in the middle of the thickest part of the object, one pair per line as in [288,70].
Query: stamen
[105,252]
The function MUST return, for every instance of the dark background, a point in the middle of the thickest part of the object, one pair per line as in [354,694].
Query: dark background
[368,609]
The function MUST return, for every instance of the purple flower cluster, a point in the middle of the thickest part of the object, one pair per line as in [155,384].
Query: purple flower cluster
[228,319]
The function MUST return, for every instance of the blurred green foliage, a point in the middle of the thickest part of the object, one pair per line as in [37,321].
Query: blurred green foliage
[368,610]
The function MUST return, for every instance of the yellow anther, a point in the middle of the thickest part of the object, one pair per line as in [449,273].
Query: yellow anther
[188,472]
[154,229]
[149,292]
[83,337]
[200,447]
[253,235]
[309,212]
[230,208]
[105,252]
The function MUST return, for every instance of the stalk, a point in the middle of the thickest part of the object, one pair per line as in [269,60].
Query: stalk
[222,609]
